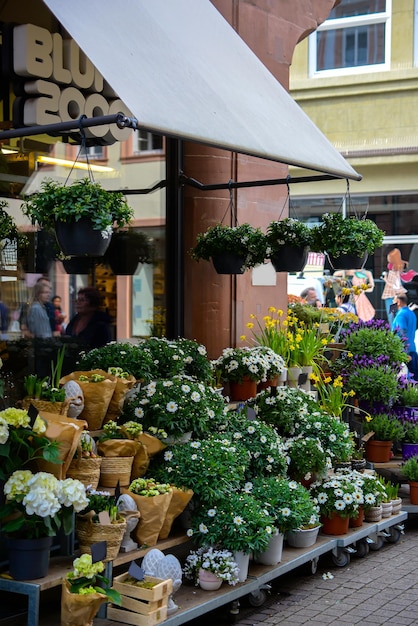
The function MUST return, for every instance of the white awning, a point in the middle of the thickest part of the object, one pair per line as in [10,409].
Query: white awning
[184,72]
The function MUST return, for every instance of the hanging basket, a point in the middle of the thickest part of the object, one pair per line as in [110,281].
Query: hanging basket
[126,251]
[228,263]
[80,238]
[79,264]
[347,261]
[290,258]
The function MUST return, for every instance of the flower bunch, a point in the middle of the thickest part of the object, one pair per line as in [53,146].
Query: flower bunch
[99,501]
[338,235]
[244,241]
[288,231]
[408,395]
[374,340]
[237,363]
[274,363]
[38,505]
[306,457]
[22,442]
[219,562]
[131,358]
[282,407]
[86,579]
[262,442]
[128,430]
[177,406]
[196,362]
[272,332]
[236,521]
[371,487]
[374,383]
[333,434]
[337,493]
[332,397]
[148,487]
[306,342]
[288,502]
[212,467]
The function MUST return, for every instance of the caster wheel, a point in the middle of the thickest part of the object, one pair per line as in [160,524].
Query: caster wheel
[394,536]
[341,558]
[257,598]
[378,542]
[313,565]
[362,548]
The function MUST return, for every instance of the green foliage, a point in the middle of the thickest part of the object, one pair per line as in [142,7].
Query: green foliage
[69,203]
[132,358]
[8,229]
[385,427]
[244,240]
[408,395]
[337,493]
[410,469]
[289,231]
[374,342]
[410,434]
[338,235]
[374,384]
[307,456]
[196,362]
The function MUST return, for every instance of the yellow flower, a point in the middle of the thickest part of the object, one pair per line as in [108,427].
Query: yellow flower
[279,312]
[350,354]
[252,316]
[368,418]
[250,325]
[272,309]
[243,338]
[327,380]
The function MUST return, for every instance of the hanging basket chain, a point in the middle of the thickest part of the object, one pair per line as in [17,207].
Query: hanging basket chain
[83,147]
[231,208]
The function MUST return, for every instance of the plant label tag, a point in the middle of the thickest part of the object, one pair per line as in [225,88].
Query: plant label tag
[367,436]
[33,414]
[136,571]
[104,518]
[98,551]
[250,413]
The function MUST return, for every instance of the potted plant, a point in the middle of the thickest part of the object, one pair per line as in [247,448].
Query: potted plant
[274,366]
[372,383]
[272,332]
[338,498]
[195,359]
[385,429]
[219,563]
[233,249]
[375,340]
[84,589]
[126,250]
[373,493]
[282,407]
[36,507]
[308,458]
[288,242]
[409,440]
[408,395]
[346,240]
[82,214]
[243,367]
[131,358]
[410,471]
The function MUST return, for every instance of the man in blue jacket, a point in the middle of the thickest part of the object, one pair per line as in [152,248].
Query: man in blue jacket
[405,325]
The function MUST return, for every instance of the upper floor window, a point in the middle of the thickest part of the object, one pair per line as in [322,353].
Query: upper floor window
[356,36]
[94,152]
[147,142]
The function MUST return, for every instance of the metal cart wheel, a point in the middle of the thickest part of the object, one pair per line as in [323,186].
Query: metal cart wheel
[340,558]
[257,597]
[362,548]
[233,612]
[394,535]
[377,542]
[314,565]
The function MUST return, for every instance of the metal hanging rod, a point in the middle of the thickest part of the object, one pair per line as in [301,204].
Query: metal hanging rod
[192,182]
[121,120]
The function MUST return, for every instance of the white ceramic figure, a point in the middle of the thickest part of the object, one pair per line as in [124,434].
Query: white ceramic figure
[126,504]
[74,393]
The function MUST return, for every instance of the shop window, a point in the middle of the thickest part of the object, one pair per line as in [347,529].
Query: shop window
[355,37]
[147,142]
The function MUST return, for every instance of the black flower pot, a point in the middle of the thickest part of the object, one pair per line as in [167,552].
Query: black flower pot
[40,253]
[290,258]
[124,253]
[347,261]
[80,238]
[79,264]
[228,263]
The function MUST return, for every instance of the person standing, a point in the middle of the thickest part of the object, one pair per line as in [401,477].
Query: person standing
[59,315]
[90,325]
[38,320]
[405,325]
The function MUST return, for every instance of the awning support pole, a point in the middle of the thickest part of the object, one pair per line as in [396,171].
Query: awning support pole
[120,119]
[192,182]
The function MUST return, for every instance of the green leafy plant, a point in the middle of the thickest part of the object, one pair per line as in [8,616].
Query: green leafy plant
[244,241]
[408,395]
[333,434]
[338,235]
[373,342]
[287,501]
[86,578]
[384,427]
[99,501]
[196,362]
[282,407]
[219,562]
[410,433]
[271,332]
[410,469]
[113,430]
[307,457]
[374,384]
[373,490]
[288,231]
[70,203]
[337,493]
[8,228]
[131,358]
[237,363]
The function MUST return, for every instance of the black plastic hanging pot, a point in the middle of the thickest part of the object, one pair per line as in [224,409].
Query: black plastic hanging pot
[347,261]
[290,258]
[228,263]
[79,264]
[80,238]
[40,253]
[124,253]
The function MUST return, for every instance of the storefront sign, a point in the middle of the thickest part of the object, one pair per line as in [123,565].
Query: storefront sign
[57,83]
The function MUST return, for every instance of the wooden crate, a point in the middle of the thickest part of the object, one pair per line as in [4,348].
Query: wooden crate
[143,607]
[128,617]
[161,589]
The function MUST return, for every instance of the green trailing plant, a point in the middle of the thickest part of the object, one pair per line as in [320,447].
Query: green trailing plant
[8,228]
[338,235]
[410,469]
[287,232]
[70,203]
[384,427]
[244,241]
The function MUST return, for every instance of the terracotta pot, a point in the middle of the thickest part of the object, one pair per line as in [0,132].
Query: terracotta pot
[242,391]
[413,492]
[378,451]
[334,525]
[356,522]
[271,382]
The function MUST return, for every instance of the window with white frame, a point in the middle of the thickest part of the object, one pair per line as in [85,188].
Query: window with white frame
[95,152]
[145,141]
[355,37]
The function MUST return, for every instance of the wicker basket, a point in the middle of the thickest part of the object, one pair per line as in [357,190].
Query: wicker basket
[89,532]
[116,469]
[59,408]
[86,470]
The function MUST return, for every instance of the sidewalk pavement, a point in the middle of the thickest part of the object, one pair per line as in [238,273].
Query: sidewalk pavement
[377,590]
